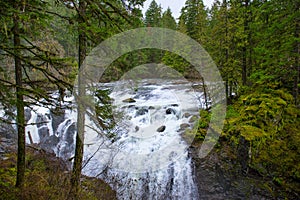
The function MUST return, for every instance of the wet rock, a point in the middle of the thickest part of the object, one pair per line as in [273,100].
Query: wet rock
[52,141]
[57,119]
[42,120]
[193,119]
[218,177]
[8,131]
[184,126]
[161,129]
[170,111]
[141,111]
[27,113]
[129,100]
[70,134]
[186,115]
[243,153]
[43,134]
[8,139]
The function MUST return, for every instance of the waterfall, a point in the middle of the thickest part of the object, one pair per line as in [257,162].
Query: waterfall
[147,158]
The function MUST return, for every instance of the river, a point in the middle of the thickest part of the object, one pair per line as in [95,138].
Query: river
[143,155]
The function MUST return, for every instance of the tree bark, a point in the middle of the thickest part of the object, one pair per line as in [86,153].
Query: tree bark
[77,166]
[19,103]
[244,49]
[224,4]
[297,57]
[205,93]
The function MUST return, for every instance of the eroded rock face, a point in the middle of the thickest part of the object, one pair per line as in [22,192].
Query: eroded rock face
[219,176]
[27,113]
[57,119]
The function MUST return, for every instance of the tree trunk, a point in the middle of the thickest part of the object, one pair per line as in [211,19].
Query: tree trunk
[205,93]
[77,166]
[244,49]
[20,105]
[297,57]
[226,49]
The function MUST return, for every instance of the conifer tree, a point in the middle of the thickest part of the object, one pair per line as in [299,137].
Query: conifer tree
[167,20]
[153,15]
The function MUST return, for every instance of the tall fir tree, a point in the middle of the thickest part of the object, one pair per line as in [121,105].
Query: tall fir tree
[153,15]
[167,20]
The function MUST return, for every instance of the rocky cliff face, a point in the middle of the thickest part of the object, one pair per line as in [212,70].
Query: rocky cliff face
[8,139]
[222,175]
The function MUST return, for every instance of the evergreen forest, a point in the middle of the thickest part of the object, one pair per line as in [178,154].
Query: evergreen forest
[255,45]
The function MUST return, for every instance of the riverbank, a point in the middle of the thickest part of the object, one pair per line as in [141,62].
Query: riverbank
[220,175]
[46,177]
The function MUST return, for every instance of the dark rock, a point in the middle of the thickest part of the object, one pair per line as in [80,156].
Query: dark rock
[52,141]
[70,134]
[151,108]
[141,111]
[184,126]
[129,100]
[193,119]
[43,134]
[243,153]
[42,120]
[57,119]
[8,131]
[218,177]
[131,106]
[137,129]
[27,113]
[186,115]
[161,129]
[170,111]
[174,105]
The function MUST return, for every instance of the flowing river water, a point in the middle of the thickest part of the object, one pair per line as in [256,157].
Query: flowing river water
[145,154]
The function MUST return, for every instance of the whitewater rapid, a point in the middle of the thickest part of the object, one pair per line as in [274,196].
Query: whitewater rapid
[147,157]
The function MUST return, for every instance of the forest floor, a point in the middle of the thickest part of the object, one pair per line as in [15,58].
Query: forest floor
[47,177]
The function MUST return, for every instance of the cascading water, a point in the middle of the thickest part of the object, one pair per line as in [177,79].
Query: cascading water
[147,158]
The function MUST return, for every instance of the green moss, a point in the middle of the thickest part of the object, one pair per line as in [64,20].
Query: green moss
[46,178]
[269,120]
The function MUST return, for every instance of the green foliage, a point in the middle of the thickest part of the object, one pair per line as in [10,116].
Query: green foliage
[268,119]
[46,178]
[167,20]
[104,112]
[194,16]
[153,15]
[202,126]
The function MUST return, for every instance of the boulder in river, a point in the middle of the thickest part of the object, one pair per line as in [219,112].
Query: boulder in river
[186,115]
[170,111]
[161,129]
[193,119]
[141,111]
[129,100]
[151,108]
[184,126]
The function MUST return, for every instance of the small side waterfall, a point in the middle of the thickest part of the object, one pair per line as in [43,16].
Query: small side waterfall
[148,157]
